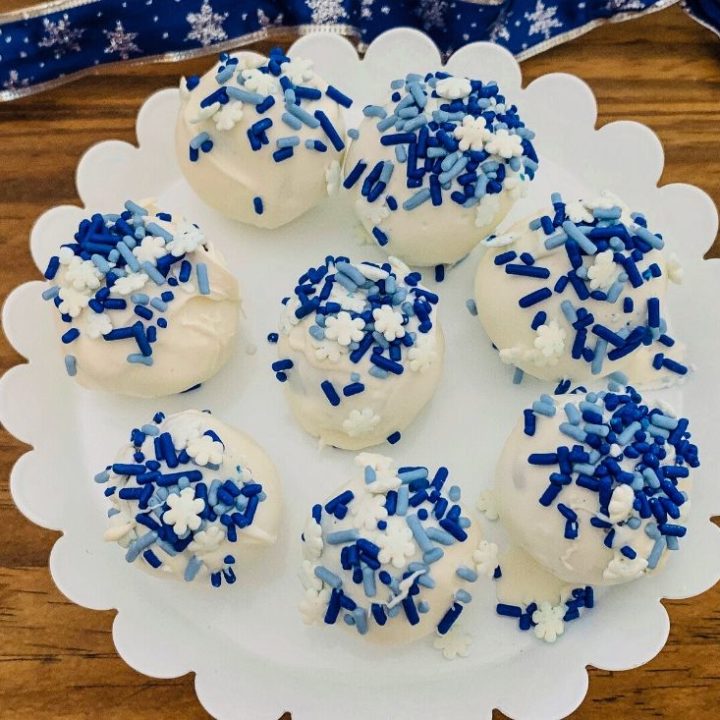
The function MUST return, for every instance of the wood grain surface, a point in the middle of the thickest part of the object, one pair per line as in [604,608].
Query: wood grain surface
[58,660]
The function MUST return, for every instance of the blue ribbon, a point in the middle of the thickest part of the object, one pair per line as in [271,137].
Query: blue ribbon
[54,42]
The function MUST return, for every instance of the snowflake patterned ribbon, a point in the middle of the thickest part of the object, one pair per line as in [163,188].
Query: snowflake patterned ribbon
[48,48]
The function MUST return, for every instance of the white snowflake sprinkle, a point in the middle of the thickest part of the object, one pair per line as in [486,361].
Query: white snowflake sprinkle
[487,210]
[453,644]
[577,212]
[207,541]
[603,272]
[228,115]
[367,510]
[487,504]
[453,88]
[313,545]
[299,70]
[548,621]
[187,239]
[550,342]
[313,606]
[184,512]
[331,351]
[97,324]
[204,450]
[260,82]
[130,283]
[623,568]
[83,274]
[621,504]
[333,176]
[472,134]
[372,213]
[344,329]
[396,543]
[73,301]
[486,558]
[360,422]
[385,478]
[389,322]
[505,145]
[423,353]
[150,249]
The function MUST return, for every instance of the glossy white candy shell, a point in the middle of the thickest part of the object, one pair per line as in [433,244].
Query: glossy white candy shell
[252,655]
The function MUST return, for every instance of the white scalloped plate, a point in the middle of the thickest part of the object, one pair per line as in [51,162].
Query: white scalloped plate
[252,655]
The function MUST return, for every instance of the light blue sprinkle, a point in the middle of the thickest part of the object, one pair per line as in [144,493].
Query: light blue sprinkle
[140,545]
[340,537]
[374,111]
[439,535]
[153,273]
[568,311]
[573,431]
[369,581]
[433,555]
[518,375]
[289,141]
[237,93]
[140,359]
[317,332]
[150,429]
[353,133]
[378,372]
[198,140]
[102,477]
[134,208]
[555,240]
[202,278]
[328,577]
[71,365]
[403,495]
[101,263]
[112,512]
[192,568]
[624,437]
[291,120]
[423,607]
[471,305]
[386,172]
[454,493]
[656,552]
[302,115]
[573,414]
[370,474]
[463,596]
[387,122]
[466,573]
[51,293]
[159,304]
[127,255]
[140,298]
[633,523]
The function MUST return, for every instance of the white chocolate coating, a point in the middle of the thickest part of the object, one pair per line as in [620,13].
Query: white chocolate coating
[399,550]
[196,343]
[549,358]
[540,530]
[210,544]
[428,234]
[229,177]
[387,405]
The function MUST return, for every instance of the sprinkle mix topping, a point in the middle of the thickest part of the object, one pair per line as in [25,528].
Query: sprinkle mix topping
[253,85]
[391,533]
[608,257]
[118,262]
[377,316]
[457,139]
[633,458]
[177,499]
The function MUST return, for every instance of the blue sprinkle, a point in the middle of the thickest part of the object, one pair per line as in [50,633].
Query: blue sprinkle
[202,278]
[258,205]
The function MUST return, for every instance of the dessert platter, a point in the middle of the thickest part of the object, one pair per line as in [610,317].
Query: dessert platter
[373,386]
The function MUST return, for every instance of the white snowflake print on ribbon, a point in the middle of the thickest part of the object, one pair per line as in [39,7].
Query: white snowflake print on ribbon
[60,37]
[14,81]
[432,13]
[326,11]
[548,621]
[264,21]
[205,450]
[453,644]
[206,26]
[542,20]
[396,543]
[366,9]
[360,422]
[184,512]
[121,43]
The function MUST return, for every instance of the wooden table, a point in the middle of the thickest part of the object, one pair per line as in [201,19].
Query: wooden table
[57,660]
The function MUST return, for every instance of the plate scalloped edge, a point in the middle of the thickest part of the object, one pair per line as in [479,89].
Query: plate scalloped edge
[36,491]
